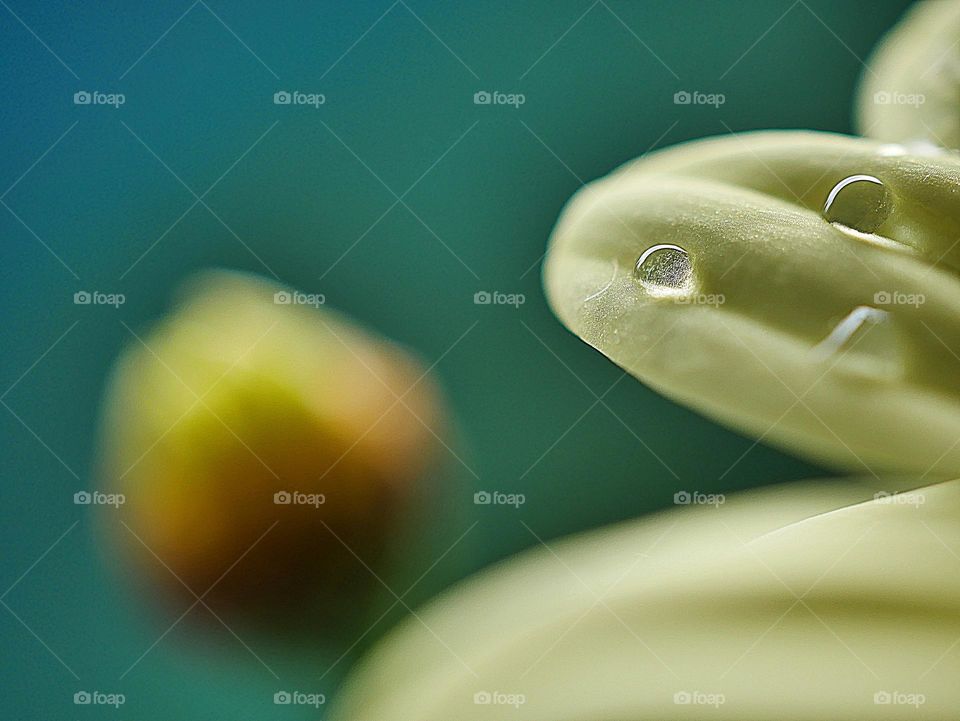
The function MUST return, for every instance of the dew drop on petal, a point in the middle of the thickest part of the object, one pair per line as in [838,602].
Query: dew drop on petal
[858,202]
[664,269]
[864,342]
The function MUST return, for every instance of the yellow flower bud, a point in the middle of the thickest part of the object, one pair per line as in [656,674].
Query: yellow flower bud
[260,444]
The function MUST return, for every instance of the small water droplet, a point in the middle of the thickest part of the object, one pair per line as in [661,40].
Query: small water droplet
[664,269]
[858,202]
[864,342]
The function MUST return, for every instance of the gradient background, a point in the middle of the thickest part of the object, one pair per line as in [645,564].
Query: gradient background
[310,198]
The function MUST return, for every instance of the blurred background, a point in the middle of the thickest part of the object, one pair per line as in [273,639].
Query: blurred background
[398,197]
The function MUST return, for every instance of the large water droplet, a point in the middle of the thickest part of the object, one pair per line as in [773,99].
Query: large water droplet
[865,342]
[858,202]
[664,269]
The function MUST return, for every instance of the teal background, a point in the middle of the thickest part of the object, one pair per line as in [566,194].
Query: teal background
[305,205]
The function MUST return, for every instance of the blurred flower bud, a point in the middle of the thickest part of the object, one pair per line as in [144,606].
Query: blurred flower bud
[266,447]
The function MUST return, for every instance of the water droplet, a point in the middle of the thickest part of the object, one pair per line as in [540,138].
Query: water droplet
[664,269]
[865,342]
[858,202]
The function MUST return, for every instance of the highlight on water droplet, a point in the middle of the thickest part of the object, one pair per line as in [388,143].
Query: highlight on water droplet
[858,202]
[665,269]
[864,342]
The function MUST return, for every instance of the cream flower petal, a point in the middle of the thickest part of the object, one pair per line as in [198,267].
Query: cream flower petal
[771,606]
[799,286]
[910,90]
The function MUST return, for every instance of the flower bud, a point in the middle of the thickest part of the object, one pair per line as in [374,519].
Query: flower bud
[266,449]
